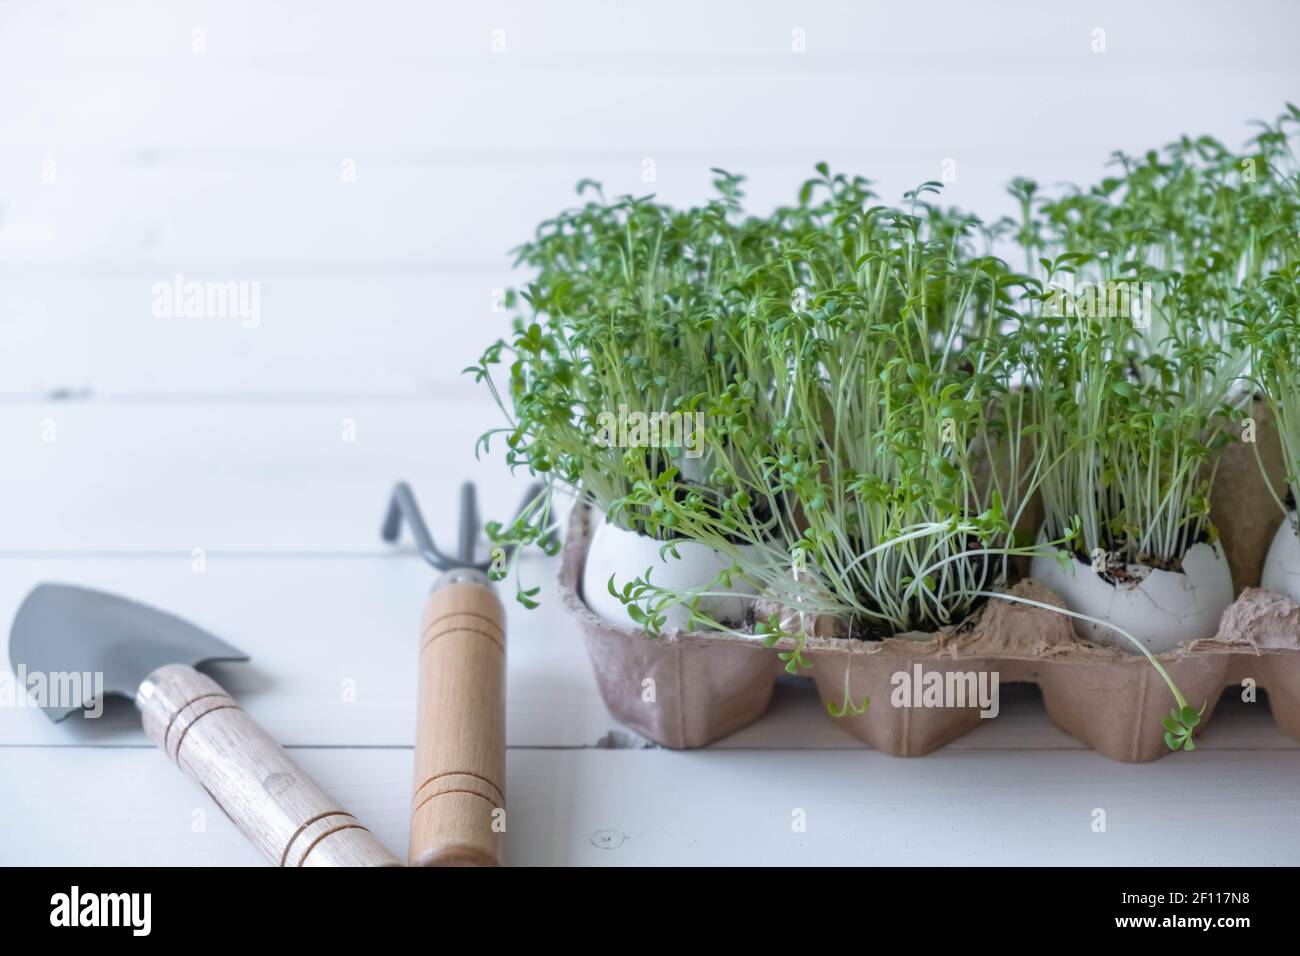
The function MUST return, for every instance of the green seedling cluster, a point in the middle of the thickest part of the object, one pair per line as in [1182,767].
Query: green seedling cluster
[1138,373]
[875,394]
[1266,327]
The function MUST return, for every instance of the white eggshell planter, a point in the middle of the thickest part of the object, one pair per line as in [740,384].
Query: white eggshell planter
[1282,566]
[1159,608]
[627,555]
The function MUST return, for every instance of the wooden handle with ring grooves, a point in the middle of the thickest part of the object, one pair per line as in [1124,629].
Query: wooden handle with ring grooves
[272,801]
[458,799]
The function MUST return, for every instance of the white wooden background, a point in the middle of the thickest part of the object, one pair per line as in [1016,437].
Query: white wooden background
[139,140]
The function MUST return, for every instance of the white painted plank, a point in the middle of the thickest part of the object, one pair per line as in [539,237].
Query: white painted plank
[233,156]
[231,210]
[776,102]
[413,31]
[238,476]
[249,218]
[102,806]
[381,336]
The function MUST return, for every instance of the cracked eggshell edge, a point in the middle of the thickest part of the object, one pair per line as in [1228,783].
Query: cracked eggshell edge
[1162,610]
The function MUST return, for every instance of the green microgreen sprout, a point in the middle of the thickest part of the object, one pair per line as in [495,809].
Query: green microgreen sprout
[847,707]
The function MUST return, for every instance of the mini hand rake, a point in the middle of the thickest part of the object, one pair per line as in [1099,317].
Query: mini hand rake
[458,797]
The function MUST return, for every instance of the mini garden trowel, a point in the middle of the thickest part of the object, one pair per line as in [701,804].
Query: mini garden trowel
[458,796]
[145,654]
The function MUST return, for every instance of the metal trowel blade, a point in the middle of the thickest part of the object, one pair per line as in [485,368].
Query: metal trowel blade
[63,629]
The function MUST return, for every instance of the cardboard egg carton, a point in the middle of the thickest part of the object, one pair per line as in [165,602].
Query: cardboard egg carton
[926,691]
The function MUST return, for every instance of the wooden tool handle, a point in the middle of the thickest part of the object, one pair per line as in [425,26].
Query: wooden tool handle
[276,805]
[458,804]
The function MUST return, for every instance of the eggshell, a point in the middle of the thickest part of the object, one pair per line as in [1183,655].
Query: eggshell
[1282,566]
[627,555]
[1160,608]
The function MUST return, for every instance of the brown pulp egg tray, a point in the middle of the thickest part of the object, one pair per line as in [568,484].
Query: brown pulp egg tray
[709,685]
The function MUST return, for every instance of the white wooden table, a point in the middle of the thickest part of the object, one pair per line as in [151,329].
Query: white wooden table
[216,141]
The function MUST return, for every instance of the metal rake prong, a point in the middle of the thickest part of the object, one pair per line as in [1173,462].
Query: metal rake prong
[469,524]
[402,506]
